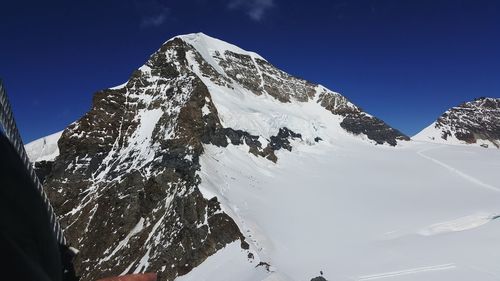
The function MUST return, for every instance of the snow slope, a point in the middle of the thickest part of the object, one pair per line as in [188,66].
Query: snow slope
[434,133]
[357,212]
[44,149]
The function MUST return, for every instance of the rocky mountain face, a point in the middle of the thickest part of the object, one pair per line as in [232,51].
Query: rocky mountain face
[125,183]
[475,122]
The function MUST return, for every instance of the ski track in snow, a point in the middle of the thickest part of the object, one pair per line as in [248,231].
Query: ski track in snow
[456,171]
[416,270]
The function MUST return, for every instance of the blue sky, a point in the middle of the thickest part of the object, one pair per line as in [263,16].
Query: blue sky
[403,61]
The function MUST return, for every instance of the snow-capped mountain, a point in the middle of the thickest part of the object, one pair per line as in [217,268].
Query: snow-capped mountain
[211,164]
[476,122]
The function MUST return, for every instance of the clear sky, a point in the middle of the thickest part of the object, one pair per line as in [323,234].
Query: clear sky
[404,61]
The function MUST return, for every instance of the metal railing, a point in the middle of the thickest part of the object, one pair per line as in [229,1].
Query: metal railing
[9,127]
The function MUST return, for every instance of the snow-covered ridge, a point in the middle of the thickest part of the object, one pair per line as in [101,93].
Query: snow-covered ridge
[44,149]
[360,212]
[204,43]
[207,47]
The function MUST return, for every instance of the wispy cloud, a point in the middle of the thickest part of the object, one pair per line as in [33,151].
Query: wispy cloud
[153,12]
[154,20]
[255,9]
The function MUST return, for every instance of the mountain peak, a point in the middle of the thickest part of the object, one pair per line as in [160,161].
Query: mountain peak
[131,165]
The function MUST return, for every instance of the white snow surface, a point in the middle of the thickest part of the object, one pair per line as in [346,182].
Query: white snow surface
[43,149]
[206,45]
[420,211]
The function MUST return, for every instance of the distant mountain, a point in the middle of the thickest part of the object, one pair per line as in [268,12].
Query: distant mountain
[476,122]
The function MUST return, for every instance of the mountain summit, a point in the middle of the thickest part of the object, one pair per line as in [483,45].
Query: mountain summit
[126,180]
